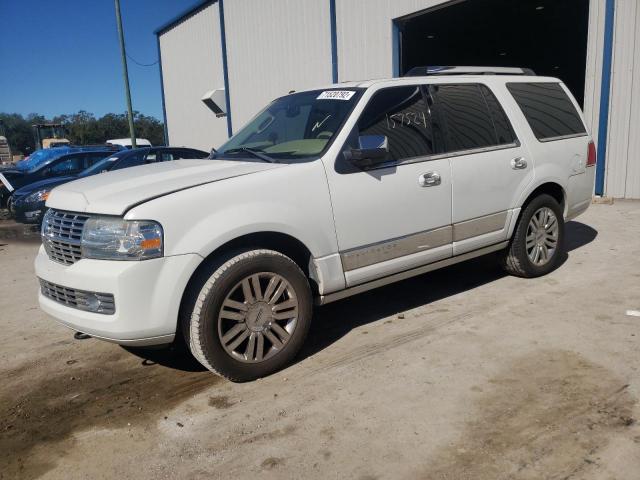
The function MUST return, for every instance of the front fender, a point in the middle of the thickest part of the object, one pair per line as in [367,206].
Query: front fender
[293,200]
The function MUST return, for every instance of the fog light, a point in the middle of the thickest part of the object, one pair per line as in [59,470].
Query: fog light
[32,215]
[93,303]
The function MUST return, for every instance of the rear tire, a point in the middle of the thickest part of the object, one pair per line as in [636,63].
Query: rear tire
[537,245]
[251,316]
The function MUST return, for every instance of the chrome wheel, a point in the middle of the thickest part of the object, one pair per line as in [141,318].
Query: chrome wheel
[258,317]
[542,236]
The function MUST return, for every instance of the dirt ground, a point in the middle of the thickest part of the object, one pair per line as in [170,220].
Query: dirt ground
[460,374]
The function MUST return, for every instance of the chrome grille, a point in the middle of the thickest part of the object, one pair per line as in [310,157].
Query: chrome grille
[61,235]
[82,300]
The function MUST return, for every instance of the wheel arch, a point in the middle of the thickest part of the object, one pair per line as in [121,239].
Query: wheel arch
[552,188]
[271,240]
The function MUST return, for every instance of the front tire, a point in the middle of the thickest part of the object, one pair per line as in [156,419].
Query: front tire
[251,316]
[537,245]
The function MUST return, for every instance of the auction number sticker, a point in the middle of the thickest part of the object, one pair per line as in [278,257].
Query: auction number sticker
[6,183]
[336,95]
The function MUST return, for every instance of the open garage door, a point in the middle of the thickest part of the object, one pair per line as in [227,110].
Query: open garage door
[548,36]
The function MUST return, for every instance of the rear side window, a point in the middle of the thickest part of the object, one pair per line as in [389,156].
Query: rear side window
[468,123]
[129,161]
[400,114]
[94,158]
[548,110]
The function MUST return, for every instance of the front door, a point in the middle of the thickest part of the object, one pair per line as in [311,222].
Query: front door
[396,215]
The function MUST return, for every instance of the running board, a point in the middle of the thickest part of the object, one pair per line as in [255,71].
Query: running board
[396,277]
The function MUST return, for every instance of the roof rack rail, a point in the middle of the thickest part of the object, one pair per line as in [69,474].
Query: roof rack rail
[451,70]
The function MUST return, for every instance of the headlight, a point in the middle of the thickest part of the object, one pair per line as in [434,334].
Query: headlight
[39,196]
[110,238]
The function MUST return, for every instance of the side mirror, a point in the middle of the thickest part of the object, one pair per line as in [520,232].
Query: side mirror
[373,149]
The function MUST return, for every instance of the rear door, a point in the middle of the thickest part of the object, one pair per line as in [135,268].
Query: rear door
[489,167]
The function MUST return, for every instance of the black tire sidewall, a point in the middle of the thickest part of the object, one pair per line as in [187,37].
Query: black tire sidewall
[212,347]
[519,240]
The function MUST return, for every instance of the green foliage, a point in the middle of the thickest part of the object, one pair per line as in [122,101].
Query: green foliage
[83,128]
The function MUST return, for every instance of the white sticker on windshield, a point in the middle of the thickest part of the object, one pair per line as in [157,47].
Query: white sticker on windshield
[6,183]
[336,95]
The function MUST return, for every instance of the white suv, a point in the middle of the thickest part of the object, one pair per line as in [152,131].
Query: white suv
[324,194]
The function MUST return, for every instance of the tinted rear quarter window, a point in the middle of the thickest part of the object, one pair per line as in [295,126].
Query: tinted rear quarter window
[468,122]
[548,110]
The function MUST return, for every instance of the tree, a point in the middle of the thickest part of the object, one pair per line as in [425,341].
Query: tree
[18,132]
[83,128]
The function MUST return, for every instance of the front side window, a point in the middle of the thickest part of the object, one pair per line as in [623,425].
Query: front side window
[67,166]
[403,116]
[548,110]
[468,124]
[295,127]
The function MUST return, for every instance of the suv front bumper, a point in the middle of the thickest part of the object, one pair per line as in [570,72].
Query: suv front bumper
[146,293]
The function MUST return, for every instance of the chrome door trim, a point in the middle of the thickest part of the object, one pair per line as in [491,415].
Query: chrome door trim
[438,156]
[332,297]
[397,247]
[479,226]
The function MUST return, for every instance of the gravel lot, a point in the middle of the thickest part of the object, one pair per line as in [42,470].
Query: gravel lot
[459,374]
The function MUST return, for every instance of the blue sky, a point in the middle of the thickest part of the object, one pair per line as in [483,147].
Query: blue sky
[63,56]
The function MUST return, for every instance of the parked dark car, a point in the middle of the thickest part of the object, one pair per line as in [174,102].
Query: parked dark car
[54,162]
[28,203]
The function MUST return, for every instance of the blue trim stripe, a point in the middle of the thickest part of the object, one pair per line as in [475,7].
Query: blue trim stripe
[605,93]
[396,40]
[225,69]
[164,110]
[334,41]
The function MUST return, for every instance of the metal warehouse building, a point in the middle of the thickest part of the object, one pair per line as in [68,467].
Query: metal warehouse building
[261,49]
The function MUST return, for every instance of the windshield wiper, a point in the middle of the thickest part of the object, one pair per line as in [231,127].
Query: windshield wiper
[255,153]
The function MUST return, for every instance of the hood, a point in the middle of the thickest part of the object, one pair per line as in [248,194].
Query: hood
[113,193]
[46,184]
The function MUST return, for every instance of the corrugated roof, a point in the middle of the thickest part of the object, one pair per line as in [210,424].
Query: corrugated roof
[181,17]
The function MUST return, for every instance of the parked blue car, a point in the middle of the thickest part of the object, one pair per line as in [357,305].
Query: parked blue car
[47,163]
[27,204]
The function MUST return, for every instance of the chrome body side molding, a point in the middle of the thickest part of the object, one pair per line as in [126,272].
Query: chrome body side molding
[332,297]
[398,247]
[479,226]
[375,253]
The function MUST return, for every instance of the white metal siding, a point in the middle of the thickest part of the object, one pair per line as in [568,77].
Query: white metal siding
[593,77]
[274,46]
[623,146]
[365,31]
[191,66]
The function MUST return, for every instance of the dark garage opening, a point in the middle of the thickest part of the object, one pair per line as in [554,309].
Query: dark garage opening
[548,36]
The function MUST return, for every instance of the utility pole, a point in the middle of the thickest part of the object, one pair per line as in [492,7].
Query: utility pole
[126,75]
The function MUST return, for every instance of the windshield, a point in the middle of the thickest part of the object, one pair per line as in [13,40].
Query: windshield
[298,126]
[38,157]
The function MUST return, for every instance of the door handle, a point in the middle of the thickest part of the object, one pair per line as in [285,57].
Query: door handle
[519,163]
[429,179]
